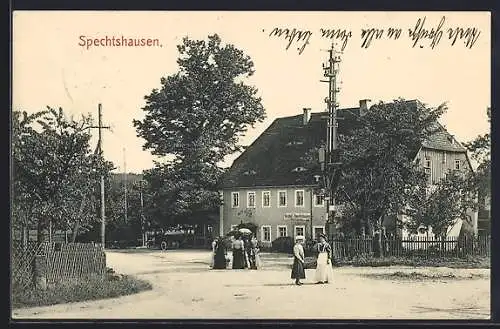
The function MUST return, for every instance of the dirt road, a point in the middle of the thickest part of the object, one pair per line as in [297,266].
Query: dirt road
[184,287]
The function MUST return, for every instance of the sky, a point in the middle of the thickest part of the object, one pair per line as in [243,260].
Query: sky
[52,68]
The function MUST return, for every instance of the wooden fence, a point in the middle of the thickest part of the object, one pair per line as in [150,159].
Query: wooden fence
[62,262]
[74,261]
[417,246]
[21,262]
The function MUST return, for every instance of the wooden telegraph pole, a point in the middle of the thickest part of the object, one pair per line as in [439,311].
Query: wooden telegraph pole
[329,156]
[125,186]
[143,224]
[100,149]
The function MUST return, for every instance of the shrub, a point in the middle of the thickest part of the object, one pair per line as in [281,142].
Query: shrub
[81,290]
[283,244]
[310,248]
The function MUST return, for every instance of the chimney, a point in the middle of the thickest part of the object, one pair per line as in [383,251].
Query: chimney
[363,105]
[306,116]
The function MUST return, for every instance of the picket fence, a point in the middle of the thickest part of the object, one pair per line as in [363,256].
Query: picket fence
[416,246]
[63,261]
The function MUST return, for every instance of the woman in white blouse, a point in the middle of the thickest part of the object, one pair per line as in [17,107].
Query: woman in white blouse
[298,271]
[324,270]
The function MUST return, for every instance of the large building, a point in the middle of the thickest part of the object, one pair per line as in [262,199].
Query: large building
[270,186]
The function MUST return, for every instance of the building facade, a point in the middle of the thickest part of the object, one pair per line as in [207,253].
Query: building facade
[270,184]
[278,211]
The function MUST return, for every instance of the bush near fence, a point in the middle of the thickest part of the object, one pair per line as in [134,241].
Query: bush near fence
[451,247]
[62,262]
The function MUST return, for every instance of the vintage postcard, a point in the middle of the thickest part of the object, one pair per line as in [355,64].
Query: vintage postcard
[250,165]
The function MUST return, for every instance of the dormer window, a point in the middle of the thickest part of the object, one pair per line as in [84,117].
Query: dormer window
[249,172]
[299,169]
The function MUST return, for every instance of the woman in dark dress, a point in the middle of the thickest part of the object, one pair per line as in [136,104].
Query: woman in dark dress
[220,255]
[298,271]
[238,254]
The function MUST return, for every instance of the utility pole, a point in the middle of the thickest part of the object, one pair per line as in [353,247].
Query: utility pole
[329,155]
[125,185]
[143,231]
[100,149]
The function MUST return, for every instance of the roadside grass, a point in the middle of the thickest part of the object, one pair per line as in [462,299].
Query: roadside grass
[367,261]
[415,276]
[82,290]
[464,263]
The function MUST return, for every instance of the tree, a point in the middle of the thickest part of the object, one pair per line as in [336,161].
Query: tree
[379,156]
[119,226]
[197,118]
[181,193]
[480,148]
[54,171]
[200,112]
[439,206]
[380,176]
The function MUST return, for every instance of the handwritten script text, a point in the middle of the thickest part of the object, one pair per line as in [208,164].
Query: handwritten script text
[421,34]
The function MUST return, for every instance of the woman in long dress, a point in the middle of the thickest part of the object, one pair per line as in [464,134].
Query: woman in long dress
[249,256]
[220,256]
[298,271]
[257,264]
[324,270]
[238,254]
[212,254]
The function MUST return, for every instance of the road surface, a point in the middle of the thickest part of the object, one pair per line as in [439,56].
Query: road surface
[184,288]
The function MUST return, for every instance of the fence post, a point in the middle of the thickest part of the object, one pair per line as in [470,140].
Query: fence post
[40,272]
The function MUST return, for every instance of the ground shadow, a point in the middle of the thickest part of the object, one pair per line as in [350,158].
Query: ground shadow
[173,270]
[267,285]
[457,311]
[287,284]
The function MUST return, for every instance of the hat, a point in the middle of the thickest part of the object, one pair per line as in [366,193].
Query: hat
[300,237]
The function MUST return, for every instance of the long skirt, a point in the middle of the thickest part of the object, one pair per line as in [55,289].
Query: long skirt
[238,259]
[252,262]
[324,271]
[219,261]
[298,271]
[212,259]
[258,261]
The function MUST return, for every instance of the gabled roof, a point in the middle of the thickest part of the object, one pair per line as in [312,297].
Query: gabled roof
[276,157]
[442,140]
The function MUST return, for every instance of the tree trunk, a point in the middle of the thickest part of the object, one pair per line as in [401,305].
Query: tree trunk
[50,230]
[24,236]
[75,232]
[77,223]
[39,231]
[378,249]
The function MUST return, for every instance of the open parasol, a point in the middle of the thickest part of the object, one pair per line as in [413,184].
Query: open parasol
[244,231]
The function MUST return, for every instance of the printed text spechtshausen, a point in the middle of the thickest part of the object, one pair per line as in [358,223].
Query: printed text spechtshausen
[117,41]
